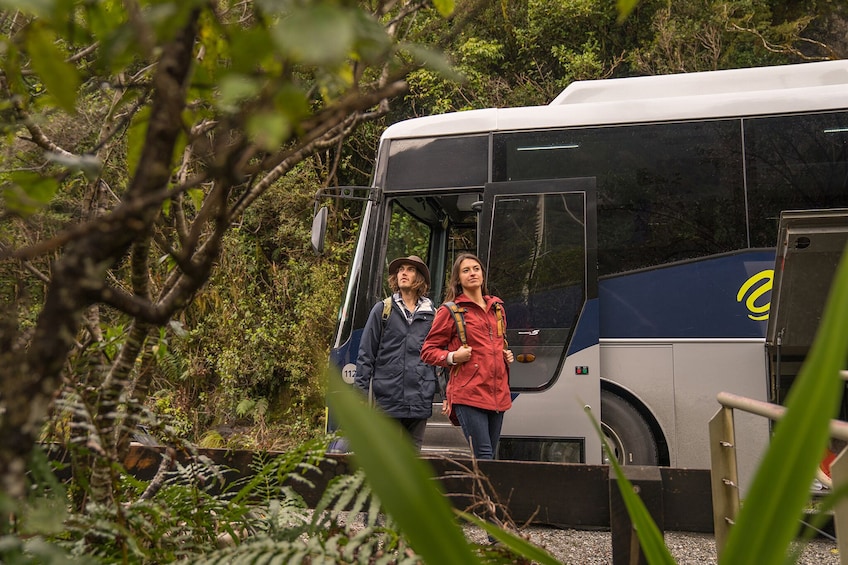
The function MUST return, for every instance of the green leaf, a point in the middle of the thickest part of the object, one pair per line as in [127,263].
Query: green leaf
[445,7]
[196,195]
[248,48]
[268,129]
[109,26]
[291,102]
[89,165]
[516,544]
[44,516]
[235,89]
[135,138]
[245,406]
[768,520]
[29,192]
[318,35]
[650,537]
[372,43]
[59,77]
[433,60]
[402,480]
[625,7]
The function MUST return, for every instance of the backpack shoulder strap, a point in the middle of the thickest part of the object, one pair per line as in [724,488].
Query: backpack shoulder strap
[457,312]
[387,308]
[499,313]
[501,323]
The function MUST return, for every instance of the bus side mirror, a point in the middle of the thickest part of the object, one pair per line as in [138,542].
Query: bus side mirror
[319,230]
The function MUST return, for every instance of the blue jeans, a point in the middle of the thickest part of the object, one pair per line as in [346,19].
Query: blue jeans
[482,429]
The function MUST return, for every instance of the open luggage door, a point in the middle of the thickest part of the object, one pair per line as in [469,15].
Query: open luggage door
[809,247]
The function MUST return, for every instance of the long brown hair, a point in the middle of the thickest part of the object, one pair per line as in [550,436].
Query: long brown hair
[454,286]
[419,285]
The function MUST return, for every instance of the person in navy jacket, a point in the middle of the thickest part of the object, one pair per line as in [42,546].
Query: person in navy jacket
[389,367]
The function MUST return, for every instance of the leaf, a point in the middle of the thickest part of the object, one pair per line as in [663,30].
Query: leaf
[768,520]
[268,129]
[196,196]
[244,407]
[403,481]
[318,35]
[59,77]
[650,538]
[135,138]
[29,192]
[625,7]
[445,7]
[513,542]
[235,89]
[248,48]
[372,42]
[291,102]
[44,516]
[90,165]
[433,60]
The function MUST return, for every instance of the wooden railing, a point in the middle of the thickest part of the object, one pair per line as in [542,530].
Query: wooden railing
[724,477]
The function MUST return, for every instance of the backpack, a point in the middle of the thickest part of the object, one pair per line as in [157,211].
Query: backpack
[459,318]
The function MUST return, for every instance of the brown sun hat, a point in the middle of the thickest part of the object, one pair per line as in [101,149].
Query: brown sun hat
[413,260]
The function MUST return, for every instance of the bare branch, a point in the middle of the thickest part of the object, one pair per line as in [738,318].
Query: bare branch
[788,49]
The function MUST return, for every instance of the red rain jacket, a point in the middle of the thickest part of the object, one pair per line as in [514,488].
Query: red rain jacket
[482,381]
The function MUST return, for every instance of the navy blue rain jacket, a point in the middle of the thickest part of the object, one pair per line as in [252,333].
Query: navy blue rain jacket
[403,385]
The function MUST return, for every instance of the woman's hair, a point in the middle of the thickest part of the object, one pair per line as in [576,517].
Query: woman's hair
[419,285]
[454,286]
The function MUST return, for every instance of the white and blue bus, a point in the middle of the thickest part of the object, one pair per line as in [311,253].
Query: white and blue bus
[630,228]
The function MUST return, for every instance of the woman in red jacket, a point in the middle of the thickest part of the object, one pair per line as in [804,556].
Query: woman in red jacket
[478,388]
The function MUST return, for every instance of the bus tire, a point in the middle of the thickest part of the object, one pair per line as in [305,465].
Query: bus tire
[626,431]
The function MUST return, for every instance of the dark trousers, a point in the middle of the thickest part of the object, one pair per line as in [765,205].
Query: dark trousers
[415,428]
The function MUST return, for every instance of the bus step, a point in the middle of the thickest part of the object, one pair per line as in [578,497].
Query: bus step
[442,436]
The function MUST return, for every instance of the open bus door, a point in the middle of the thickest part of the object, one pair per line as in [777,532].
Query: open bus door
[809,247]
[539,244]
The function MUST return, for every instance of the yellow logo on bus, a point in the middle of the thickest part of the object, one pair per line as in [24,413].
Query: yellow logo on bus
[754,288]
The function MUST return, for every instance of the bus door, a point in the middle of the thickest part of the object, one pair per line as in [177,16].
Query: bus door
[539,244]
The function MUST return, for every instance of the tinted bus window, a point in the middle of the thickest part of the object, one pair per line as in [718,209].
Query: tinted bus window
[438,162]
[538,268]
[666,192]
[794,163]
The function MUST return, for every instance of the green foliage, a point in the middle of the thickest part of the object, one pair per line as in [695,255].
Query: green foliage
[194,516]
[411,496]
[256,339]
[252,346]
[402,480]
[60,78]
[168,410]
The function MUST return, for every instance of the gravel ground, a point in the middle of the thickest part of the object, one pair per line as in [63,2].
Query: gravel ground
[580,547]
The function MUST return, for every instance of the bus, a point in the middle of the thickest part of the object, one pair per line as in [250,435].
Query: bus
[630,228]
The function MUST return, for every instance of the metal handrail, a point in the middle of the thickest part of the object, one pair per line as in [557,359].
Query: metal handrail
[775,412]
[723,471]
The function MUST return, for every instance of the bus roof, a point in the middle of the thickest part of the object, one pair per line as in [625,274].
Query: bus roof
[713,94]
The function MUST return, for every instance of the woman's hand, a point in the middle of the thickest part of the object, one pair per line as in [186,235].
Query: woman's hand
[508,356]
[462,355]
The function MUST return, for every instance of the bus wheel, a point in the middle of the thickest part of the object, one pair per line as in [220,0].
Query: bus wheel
[626,432]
